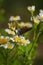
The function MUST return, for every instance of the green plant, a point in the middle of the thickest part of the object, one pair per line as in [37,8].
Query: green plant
[16,49]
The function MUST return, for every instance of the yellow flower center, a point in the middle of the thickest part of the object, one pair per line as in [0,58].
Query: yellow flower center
[3,41]
[12,26]
[25,24]
[17,39]
[11,32]
[23,41]
[15,18]
[9,45]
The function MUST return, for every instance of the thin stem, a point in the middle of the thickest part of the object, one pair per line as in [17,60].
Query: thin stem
[34,36]
[34,27]
[38,36]
[34,30]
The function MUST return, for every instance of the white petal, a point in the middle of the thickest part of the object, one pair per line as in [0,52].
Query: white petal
[18,17]
[11,18]
[12,39]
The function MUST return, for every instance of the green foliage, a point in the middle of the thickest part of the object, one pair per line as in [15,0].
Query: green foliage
[23,51]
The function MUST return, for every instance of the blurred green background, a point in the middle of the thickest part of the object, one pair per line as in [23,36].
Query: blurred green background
[19,7]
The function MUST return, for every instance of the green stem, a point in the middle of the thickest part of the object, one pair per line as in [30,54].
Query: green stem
[34,27]
[34,44]
[38,36]
[34,30]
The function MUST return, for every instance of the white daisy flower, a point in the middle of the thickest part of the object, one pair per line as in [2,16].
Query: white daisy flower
[4,40]
[25,42]
[14,18]
[12,26]
[15,38]
[10,31]
[36,20]
[31,8]
[8,45]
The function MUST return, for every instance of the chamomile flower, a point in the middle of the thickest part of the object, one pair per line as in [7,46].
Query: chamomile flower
[12,26]
[10,31]
[4,40]
[8,45]
[17,18]
[14,18]
[15,38]
[31,8]
[36,20]
[24,42]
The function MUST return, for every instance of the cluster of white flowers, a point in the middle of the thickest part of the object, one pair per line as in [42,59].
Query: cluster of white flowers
[5,42]
[20,40]
[37,18]
[9,42]
[14,26]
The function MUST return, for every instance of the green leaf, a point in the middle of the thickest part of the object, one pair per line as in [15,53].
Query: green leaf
[16,62]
